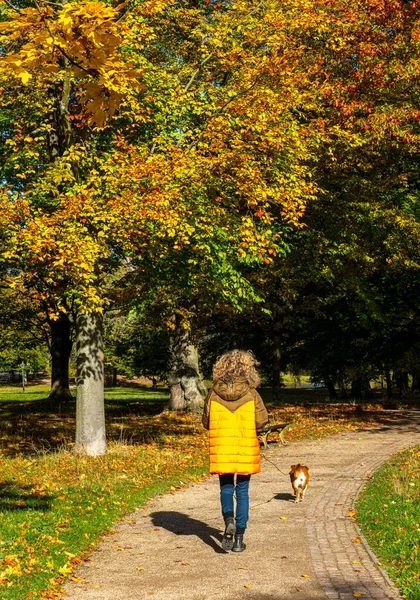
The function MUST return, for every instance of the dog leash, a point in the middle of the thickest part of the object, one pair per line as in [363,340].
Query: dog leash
[274,465]
[279,470]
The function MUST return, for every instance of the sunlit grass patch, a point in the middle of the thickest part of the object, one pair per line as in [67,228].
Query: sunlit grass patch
[388,512]
[9,393]
[55,506]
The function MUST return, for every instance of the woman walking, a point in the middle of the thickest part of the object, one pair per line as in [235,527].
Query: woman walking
[233,411]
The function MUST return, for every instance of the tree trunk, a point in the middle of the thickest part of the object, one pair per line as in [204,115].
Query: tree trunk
[402,383]
[90,409]
[61,345]
[185,380]
[388,385]
[114,376]
[342,385]
[415,382]
[356,389]
[177,398]
[367,390]
[331,388]
[389,402]
[276,383]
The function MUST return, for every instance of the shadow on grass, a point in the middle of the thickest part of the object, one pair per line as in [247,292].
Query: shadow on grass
[132,417]
[17,497]
[181,524]
[136,416]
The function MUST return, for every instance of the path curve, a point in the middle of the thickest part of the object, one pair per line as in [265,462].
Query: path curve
[170,549]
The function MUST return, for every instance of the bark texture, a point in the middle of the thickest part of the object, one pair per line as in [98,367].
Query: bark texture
[331,388]
[186,385]
[90,410]
[61,345]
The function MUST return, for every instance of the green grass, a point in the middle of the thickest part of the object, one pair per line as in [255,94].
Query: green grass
[388,513]
[47,528]
[15,394]
[55,505]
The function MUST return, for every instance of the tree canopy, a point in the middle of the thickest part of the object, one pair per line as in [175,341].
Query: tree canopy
[203,158]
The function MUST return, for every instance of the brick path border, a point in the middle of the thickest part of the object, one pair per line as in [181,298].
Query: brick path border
[171,544]
[347,569]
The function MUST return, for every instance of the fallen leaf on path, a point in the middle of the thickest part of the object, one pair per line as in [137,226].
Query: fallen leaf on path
[351,513]
[243,568]
[139,568]
[307,576]
[246,585]
[283,518]
[356,540]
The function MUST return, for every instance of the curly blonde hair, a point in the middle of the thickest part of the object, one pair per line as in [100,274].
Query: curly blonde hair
[237,363]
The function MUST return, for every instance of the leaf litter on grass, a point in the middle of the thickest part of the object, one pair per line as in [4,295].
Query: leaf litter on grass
[388,512]
[55,505]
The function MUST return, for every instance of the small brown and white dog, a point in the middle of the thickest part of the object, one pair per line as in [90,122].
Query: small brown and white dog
[299,476]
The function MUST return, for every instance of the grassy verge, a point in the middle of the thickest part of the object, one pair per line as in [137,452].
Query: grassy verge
[388,513]
[55,506]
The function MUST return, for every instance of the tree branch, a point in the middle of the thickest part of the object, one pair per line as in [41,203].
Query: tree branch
[221,110]
[63,52]
[197,71]
[52,3]
[10,5]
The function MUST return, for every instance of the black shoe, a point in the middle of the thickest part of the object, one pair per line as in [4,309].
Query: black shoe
[230,530]
[238,545]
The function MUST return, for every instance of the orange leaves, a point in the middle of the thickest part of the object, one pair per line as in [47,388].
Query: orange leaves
[216,159]
[61,245]
[81,40]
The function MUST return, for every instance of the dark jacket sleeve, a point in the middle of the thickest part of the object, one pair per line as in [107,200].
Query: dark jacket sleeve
[261,414]
[205,419]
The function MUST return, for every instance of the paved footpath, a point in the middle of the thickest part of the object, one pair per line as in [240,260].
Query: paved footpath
[170,549]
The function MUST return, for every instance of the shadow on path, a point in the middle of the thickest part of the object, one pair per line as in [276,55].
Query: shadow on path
[285,496]
[181,524]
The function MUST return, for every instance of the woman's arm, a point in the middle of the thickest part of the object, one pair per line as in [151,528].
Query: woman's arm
[261,414]
[205,419]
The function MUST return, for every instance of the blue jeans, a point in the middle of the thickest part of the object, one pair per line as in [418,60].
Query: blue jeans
[227,488]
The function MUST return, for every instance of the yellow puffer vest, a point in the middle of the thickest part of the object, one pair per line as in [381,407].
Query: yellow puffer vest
[234,446]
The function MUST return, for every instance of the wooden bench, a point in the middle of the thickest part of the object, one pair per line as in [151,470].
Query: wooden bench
[265,432]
